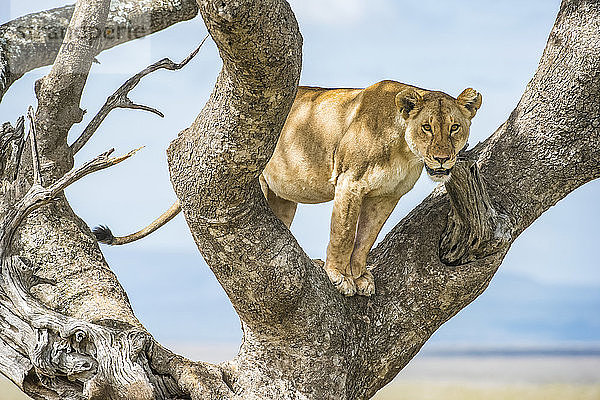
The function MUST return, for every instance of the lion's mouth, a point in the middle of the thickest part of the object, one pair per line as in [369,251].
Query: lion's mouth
[438,171]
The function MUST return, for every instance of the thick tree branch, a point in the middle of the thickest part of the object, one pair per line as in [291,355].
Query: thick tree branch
[229,144]
[33,41]
[59,93]
[68,352]
[73,359]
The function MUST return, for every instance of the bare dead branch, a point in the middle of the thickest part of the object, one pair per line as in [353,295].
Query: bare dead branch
[229,144]
[38,195]
[120,99]
[37,173]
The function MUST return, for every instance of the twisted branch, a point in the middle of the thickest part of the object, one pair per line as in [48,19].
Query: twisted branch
[37,195]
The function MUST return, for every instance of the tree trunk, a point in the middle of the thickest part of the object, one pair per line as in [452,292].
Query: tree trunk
[68,332]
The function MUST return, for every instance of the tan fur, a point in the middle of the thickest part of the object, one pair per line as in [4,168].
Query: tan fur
[363,149]
[157,223]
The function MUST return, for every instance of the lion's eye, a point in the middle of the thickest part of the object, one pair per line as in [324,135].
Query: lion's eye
[454,128]
[427,128]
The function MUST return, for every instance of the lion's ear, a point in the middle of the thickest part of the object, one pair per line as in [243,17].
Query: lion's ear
[407,100]
[470,99]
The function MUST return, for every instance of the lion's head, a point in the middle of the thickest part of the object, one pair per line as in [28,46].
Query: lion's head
[437,126]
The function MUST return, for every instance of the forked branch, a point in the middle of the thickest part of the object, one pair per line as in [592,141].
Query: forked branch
[120,99]
[37,195]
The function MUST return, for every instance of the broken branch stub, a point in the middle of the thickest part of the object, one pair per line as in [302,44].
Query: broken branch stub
[475,229]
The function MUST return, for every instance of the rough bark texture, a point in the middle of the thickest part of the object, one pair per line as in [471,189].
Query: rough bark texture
[54,276]
[302,339]
[32,41]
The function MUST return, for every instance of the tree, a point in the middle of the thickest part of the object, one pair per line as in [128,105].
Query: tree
[67,328]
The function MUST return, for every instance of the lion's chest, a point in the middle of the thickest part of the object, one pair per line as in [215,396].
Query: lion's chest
[393,179]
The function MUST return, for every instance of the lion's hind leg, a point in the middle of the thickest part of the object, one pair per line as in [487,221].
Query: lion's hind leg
[282,208]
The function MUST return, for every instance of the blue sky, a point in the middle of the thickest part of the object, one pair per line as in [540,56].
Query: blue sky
[439,45]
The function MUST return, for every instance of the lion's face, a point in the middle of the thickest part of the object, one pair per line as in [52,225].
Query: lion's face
[437,127]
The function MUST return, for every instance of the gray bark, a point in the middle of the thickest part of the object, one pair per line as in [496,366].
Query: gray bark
[61,306]
[32,41]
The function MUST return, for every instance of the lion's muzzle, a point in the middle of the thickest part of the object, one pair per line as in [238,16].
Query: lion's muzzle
[438,172]
[439,167]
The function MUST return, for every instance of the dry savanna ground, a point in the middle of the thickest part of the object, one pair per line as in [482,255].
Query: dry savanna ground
[427,390]
[474,378]
[496,378]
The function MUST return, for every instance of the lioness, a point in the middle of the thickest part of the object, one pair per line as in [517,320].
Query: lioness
[363,149]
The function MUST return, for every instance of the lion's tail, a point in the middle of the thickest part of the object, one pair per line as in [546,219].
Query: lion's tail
[104,235]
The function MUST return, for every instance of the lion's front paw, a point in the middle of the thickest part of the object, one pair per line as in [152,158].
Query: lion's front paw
[365,284]
[342,283]
[346,286]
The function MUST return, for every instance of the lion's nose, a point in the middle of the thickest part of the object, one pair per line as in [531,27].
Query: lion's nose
[441,160]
